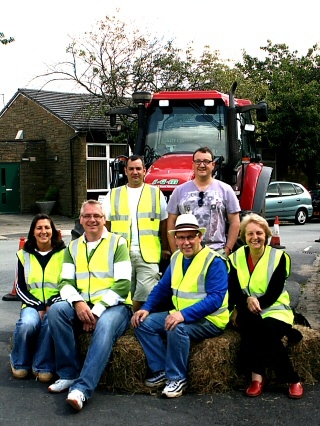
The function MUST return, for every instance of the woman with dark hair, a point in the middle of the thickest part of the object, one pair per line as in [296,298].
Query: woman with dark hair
[261,306]
[39,267]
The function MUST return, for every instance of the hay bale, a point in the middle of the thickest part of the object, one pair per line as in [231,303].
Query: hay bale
[305,355]
[127,369]
[212,363]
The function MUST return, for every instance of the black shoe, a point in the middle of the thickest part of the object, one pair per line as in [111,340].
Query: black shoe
[156,380]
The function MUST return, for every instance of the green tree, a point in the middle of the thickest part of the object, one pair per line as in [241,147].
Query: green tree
[5,40]
[114,61]
[291,86]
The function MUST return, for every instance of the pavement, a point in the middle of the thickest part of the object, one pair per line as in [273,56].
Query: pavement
[28,402]
[17,225]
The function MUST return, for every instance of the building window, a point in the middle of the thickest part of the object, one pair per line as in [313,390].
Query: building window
[99,157]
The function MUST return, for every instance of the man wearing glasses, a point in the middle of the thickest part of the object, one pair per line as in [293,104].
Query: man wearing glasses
[197,282]
[212,202]
[94,286]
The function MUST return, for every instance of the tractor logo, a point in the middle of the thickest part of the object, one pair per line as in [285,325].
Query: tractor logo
[165,182]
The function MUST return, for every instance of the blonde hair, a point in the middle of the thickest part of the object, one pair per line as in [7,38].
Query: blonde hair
[257,219]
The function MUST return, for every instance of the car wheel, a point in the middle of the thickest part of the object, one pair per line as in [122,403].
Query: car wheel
[301,217]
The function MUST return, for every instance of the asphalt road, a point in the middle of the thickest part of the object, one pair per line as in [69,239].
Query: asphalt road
[28,402]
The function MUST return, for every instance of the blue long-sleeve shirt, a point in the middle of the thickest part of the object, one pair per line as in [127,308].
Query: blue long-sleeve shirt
[216,284]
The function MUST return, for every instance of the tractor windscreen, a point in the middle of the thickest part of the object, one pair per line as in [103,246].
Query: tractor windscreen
[184,126]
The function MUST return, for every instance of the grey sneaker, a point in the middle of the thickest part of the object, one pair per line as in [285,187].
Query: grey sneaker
[76,399]
[174,388]
[60,385]
[156,380]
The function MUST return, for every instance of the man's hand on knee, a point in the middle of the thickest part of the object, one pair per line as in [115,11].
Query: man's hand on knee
[172,320]
[85,315]
[139,317]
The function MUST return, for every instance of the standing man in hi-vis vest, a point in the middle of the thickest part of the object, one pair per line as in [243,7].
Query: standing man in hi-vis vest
[137,211]
[197,282]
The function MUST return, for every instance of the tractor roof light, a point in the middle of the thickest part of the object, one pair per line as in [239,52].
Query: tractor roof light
[249,127]
[141,97]
[163,103]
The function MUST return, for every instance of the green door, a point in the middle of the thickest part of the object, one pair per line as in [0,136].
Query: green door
[9,187]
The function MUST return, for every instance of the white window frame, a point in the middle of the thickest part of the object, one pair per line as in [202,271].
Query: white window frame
[108,160]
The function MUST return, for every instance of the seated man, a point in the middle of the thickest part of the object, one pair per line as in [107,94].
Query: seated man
[197,282]
[94,283]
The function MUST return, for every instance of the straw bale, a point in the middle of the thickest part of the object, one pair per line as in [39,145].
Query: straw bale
[212,363]
[305,355]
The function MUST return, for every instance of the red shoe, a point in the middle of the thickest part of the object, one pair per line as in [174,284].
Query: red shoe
[256,388]
[296,390]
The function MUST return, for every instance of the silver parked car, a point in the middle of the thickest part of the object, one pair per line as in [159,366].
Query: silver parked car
[288,201]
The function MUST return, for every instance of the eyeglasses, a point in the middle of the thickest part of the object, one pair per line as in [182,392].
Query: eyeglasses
[201,196]
[94,216]
[189,238]
[205,162]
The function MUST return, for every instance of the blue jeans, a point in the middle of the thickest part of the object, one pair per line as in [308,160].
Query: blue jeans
[64,322]
[33,344]
[173,357]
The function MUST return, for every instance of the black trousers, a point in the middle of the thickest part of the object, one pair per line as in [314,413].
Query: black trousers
[261,347]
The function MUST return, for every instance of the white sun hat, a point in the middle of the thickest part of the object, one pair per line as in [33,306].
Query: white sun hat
[187,222]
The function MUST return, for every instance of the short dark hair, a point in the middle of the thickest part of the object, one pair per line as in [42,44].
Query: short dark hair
[135,157]
[204,150]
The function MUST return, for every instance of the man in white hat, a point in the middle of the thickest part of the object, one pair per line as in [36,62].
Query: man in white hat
[197,283]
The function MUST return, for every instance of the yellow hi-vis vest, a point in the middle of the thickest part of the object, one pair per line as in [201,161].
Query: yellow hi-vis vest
[148,220]
[94,276]
[41,284]
[190,288]
[257,284]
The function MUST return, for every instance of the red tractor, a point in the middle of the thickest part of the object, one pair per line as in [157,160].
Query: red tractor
[172,125]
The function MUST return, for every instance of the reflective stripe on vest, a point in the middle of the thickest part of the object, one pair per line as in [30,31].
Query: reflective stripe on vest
[95,274]
[189,288]
[42,284]
[257,283]
[148,220]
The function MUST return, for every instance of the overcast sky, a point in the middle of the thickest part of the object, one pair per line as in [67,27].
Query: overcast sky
[42,29]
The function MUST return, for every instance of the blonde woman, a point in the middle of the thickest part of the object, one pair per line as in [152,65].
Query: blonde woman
[261,304]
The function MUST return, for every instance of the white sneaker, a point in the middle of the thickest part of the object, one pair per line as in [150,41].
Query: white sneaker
[76,399]
[60,385]
[174,388]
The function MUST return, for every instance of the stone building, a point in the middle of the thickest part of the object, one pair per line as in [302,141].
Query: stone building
[51,138]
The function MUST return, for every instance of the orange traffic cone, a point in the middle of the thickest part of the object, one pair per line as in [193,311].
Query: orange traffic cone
[9,297]
[275,239]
